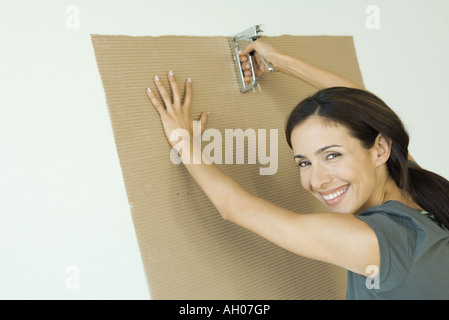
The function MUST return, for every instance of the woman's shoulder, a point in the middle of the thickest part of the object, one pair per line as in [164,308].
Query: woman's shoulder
[394,215]
[393,207]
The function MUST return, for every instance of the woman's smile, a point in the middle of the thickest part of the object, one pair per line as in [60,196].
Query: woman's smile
[334,196]
[335,167]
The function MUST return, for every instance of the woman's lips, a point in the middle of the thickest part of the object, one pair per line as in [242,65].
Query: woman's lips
[334,196]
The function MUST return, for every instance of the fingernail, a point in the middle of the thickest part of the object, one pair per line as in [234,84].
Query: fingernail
[156,78]
[189,80]
[170,73]
[240,52]
[148,90]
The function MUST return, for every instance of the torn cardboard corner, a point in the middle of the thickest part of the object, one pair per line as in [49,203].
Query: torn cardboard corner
[188,251]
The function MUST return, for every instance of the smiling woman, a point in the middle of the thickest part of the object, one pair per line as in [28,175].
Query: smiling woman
[367,135]
[346,174]
[383,214]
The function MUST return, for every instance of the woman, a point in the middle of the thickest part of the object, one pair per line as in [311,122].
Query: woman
[387,218]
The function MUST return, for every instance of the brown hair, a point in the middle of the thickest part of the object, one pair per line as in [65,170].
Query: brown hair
[366,115]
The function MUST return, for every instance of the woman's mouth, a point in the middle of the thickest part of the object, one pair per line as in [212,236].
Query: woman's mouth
[334,196]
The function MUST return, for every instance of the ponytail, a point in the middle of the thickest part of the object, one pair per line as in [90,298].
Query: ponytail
[431,192]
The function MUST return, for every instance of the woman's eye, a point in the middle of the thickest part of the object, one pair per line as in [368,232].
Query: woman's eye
[303,164]
[332,156]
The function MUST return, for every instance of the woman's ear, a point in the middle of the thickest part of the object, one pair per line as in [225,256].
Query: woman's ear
[381,149]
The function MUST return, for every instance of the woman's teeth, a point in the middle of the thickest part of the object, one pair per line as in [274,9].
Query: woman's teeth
[335,195]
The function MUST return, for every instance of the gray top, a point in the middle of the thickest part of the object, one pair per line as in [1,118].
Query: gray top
[414,256]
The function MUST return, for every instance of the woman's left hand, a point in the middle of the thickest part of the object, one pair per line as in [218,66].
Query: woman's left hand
[176,113]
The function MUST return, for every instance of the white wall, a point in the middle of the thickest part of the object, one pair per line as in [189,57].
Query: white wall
[62,197]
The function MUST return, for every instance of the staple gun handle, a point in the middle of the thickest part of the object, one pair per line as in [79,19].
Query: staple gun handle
[270,68]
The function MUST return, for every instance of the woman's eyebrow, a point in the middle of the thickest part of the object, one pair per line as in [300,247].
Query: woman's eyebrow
[318,151]
[325,148]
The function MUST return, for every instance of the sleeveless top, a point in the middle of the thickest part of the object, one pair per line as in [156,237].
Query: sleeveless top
[414,256]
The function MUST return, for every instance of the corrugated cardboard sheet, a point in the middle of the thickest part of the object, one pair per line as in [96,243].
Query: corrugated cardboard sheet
[188,250]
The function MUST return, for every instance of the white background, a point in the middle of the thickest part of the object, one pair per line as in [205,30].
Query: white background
[62,197]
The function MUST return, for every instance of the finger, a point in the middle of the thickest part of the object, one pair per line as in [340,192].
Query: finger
[246,66]
[188,95]
[175,89]
[247,73]
[164,94]
[157,105]
[245,51]
[243,58]
[203,120]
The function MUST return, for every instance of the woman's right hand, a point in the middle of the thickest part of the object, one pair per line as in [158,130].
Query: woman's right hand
[270,54]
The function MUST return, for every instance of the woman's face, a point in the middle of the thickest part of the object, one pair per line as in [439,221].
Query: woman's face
[335,167]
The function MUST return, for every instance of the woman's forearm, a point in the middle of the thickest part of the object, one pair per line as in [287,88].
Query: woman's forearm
[317,77]
[233,202]
[237,205]
[288,64]
[224,192]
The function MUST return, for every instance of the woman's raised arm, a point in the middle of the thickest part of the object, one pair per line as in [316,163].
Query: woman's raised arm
[283,62]
[339,239]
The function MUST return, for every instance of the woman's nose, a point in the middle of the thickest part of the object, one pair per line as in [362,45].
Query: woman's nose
[320,178]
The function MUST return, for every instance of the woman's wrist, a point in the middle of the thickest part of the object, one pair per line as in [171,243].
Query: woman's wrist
[188,151]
